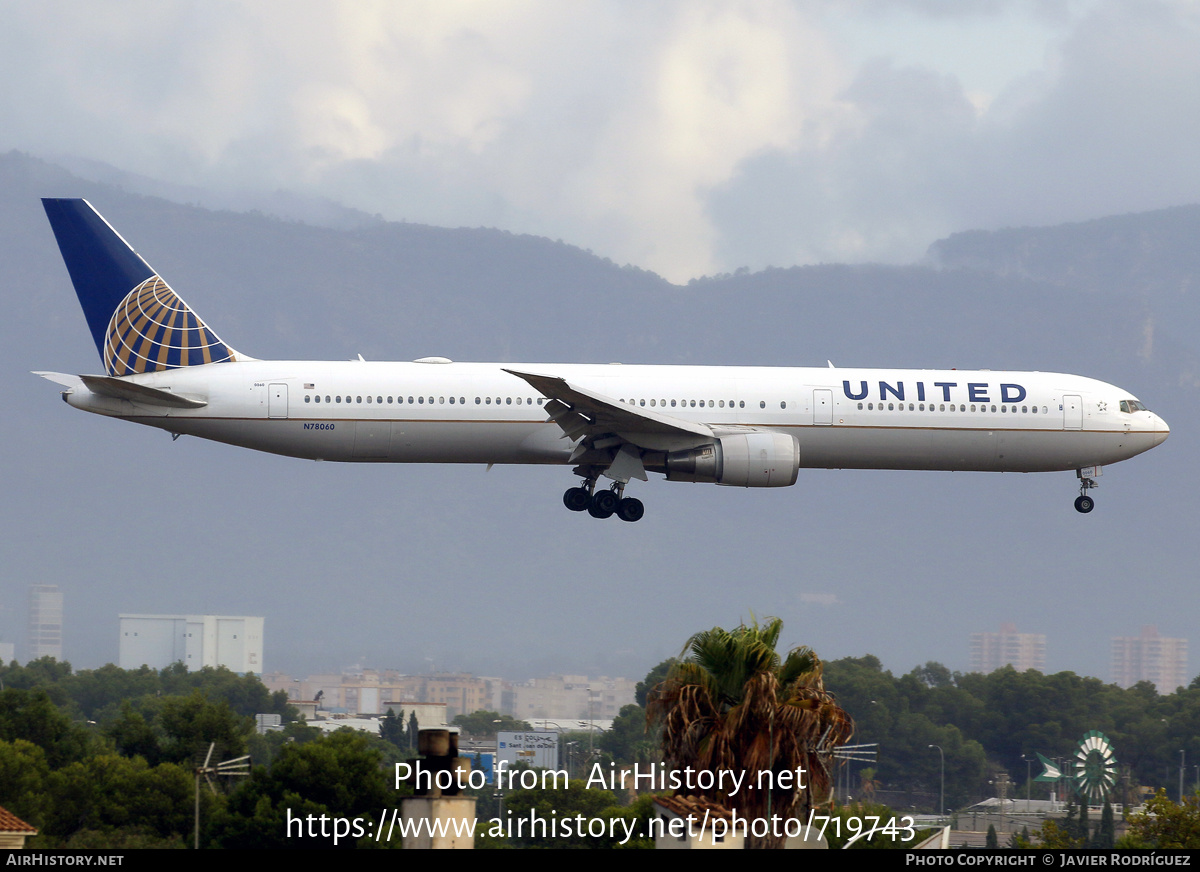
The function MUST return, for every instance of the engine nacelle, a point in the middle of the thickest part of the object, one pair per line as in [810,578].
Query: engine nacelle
[741,460]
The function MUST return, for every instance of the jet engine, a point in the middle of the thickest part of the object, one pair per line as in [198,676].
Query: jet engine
[742,460]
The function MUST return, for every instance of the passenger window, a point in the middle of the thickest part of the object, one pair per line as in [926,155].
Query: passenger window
[360,399]
[783,404]
[307,398]
[762,404]
[339,398]
[368,399]
[860,405]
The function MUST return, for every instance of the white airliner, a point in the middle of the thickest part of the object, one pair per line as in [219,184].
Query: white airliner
[739,426]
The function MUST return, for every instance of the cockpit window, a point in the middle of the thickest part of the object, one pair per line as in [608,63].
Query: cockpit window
[1133,406]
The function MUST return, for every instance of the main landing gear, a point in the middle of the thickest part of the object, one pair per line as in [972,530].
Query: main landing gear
[603,503]
[1084,503]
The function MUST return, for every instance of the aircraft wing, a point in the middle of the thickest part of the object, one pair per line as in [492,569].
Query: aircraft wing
[603,422]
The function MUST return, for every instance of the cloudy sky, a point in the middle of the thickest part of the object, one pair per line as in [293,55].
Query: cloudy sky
[687,138]
[684,137]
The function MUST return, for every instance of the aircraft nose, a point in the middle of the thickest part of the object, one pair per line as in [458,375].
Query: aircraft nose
[1161,430]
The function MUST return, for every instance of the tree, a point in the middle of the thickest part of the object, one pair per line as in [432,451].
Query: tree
[23,774]
[32,716]
[338,775]
[1106,835]
[653,679]
[192,722]
[107,793]
[559,804]
[733,705]
[626,740]
[1166,824]
[393,730]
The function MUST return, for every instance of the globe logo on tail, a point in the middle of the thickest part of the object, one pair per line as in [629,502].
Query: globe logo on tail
[153,329]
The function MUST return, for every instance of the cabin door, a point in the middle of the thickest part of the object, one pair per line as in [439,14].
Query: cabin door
[822,406]
[277,401]
[1072,412]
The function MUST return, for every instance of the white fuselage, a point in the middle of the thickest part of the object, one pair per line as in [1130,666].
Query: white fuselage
[442,412]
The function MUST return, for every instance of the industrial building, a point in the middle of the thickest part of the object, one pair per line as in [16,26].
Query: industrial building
[196,641]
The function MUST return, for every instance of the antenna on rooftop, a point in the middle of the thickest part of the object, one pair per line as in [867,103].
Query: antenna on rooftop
[238,766]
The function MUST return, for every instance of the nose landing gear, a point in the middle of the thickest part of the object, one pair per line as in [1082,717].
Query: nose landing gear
[1084,503]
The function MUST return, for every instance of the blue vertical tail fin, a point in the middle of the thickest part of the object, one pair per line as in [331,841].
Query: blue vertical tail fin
[138,323]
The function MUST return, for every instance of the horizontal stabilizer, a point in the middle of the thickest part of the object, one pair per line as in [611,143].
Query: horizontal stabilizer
[62,378]
[119,389]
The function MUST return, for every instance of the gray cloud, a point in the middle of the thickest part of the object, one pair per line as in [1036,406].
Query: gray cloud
[682,137]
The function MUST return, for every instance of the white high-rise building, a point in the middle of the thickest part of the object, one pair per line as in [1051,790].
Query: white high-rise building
[1021,651]
[1150,657]
[194,640]
[45,621]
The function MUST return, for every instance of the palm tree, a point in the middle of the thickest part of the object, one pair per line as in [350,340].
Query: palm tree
[731,704]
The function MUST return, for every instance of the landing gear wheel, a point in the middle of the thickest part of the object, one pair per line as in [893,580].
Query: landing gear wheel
[630,509]
[1084,505]
[603,504]
[577,499]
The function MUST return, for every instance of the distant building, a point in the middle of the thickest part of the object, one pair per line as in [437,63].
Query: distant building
[196,641]
[575,697]
[1021,651]
[1150,657]
[45,621]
